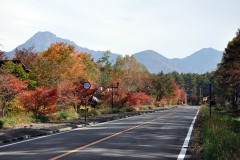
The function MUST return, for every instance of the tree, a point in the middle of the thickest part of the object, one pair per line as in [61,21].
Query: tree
[27,57]
[10,87]
[228,72]
[60,62]
[90,70]
[140,98]
[127,71]
[105,67]
[74,94]
[162,86]
[15,69]
[2,55]
[41,102]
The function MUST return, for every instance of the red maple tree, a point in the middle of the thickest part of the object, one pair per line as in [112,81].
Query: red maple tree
[10,87]
[40,102]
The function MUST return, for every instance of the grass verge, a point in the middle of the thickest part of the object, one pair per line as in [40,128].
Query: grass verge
[220,135]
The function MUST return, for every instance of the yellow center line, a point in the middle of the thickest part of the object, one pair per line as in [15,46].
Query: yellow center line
[108,137]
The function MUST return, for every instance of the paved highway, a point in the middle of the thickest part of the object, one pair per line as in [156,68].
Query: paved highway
[154,136]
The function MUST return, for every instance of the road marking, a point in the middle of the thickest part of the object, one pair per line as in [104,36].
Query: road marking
[108,137]
[187,139]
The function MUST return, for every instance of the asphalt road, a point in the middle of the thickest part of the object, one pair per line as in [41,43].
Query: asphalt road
[154,136]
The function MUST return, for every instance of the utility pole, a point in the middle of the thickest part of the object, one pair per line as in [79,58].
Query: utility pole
[116,86]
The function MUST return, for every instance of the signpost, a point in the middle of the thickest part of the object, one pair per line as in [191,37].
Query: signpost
[86,85]
[116,86]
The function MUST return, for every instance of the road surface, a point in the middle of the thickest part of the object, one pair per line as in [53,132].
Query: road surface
[154,136]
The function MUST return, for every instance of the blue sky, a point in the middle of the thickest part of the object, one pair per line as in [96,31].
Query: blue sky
[174,28]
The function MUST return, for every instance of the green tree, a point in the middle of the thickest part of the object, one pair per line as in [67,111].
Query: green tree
[15,69]
[162,86]
[228,72]
[105,67]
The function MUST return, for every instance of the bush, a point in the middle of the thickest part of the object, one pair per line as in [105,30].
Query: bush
[41,118]
[105,111]
[63,115]
[115,110]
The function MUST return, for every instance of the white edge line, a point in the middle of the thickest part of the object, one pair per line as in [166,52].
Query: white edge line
[187,139]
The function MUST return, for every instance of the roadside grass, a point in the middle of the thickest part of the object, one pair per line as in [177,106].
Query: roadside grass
[15,119]
[220,135]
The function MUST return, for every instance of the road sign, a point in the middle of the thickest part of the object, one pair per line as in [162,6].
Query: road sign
[86,85]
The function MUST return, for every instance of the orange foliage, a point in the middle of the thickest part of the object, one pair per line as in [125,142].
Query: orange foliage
[58,63]
[177,98]
[140,98]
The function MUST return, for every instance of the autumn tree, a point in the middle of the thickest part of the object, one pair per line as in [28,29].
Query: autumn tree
[130,73]
[90,70]
[26,56]
[40,102]
[10,87]
[228,72]
[59,62]
[139,98]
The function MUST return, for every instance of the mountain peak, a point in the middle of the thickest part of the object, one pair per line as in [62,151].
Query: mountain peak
[43,34]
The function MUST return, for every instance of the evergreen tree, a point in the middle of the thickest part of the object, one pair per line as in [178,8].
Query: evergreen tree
[228,72]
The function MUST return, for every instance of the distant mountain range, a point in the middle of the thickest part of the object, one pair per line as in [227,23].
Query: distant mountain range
[202,61]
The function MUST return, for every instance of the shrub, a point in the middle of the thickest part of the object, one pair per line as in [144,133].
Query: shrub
[129,109]
[40,118]
[63,115]
[93,112]
[139,98]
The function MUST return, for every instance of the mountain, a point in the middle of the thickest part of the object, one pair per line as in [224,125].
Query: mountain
[154,61]
[202,61]
[42,40]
